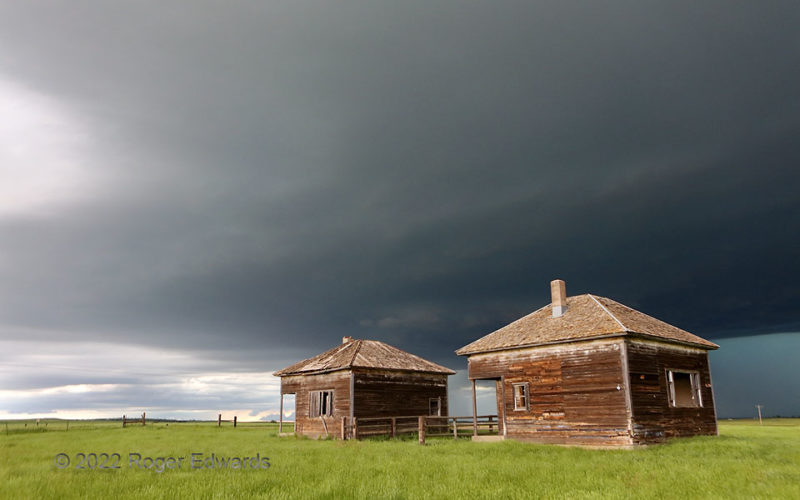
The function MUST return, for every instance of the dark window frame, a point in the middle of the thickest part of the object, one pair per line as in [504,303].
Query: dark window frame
[695,388]
[320,403]
[438,402]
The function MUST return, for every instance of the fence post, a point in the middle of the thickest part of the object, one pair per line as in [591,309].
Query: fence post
[234,420]
[421,430]
[344,428]
[219,420]
[143,418]
[394,426]
[355,427]
[491,427]
[123,421]
[455,428]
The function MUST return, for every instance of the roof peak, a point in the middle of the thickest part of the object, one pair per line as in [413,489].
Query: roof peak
[363,353]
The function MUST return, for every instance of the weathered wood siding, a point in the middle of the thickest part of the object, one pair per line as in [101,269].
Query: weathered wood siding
[653,418]
[302,385]
[377,393]
[385,393]
[577,393]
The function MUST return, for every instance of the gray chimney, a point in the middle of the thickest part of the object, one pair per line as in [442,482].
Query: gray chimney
[347,340]
[558,292]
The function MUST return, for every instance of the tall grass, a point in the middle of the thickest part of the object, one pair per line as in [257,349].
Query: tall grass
[745,461]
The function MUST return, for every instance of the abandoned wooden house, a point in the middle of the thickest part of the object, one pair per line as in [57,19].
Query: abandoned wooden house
[588,370]
[362,379]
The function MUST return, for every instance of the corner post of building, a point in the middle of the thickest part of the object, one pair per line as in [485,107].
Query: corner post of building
[474,410]
[280,418]
[344,428]
[503,405]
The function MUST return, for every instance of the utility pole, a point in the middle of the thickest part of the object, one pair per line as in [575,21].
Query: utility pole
[759,414]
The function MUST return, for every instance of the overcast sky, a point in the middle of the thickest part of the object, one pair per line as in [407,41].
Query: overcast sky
[195,194]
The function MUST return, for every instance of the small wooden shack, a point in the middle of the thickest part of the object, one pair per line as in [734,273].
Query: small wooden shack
[362,379]
[588,370]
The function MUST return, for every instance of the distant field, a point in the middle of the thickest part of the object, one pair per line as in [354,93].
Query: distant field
[745,461]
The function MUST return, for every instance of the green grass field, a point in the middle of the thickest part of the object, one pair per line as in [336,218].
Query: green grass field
[745,461]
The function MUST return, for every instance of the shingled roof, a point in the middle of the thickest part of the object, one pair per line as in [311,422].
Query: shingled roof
[586,317]
[363,354]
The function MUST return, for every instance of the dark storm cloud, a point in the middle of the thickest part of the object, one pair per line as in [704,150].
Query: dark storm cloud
[271,176]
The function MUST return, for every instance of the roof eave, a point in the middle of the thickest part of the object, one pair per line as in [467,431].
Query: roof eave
[446,371]
[443,371]
[710,346]
[312,372]
[462,352]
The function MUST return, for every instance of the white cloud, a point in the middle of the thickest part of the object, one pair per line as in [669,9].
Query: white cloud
[42,160]
[93,380]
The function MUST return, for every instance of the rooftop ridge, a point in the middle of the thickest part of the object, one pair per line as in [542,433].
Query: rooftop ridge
[624,328]
[355,353]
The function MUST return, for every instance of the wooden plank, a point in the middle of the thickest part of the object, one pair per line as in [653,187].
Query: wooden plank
[501,407]
[474,410]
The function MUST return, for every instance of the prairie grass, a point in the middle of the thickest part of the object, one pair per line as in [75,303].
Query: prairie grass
[745,461]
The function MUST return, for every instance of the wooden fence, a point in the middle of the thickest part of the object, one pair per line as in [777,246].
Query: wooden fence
[142,420]
[220,420]
[424,426]
[127,421]
[237,423]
